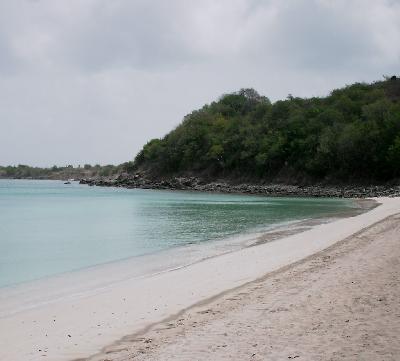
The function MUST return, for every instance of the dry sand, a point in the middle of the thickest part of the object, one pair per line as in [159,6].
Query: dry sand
[298,311]
[340,304]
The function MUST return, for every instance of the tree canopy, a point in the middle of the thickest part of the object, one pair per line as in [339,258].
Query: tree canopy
[87,171]
[352,134]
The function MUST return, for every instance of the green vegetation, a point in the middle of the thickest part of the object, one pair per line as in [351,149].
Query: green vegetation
[67,172]
[352,134]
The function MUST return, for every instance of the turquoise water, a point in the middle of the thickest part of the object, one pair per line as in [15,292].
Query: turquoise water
[47,228]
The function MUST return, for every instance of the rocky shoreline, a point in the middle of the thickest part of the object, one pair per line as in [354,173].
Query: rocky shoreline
[196,184]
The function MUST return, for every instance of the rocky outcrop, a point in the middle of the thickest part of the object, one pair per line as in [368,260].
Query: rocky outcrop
[196,184]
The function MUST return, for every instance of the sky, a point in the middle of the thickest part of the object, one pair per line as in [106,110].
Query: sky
[91,81]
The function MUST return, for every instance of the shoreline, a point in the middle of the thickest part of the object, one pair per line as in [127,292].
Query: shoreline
[122,308]
[338,304]
[211,248]
[270,189]
[264,189]
[128,268]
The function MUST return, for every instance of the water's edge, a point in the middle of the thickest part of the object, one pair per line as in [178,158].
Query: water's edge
[98,278]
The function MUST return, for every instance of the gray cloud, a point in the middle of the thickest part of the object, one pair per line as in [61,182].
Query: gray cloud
[92,81]
[141,35]
[8,61]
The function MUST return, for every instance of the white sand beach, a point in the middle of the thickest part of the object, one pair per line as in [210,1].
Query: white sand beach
[247,304]
[339,304]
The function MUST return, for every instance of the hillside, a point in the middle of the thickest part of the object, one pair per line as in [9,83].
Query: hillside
[352,135]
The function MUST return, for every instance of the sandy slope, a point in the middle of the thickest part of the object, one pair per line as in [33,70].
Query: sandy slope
[340,304]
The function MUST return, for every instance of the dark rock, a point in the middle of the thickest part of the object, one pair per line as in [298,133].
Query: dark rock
[278,190]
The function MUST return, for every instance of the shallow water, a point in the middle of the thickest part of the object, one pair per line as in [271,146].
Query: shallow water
[48,228]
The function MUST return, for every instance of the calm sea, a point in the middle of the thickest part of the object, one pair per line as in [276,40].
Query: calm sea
[48,228]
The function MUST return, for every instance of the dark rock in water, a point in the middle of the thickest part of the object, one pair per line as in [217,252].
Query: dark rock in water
[67,182]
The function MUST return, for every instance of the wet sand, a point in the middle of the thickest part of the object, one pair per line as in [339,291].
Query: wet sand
[339,304]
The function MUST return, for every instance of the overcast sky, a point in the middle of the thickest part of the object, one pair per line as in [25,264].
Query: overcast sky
[91,81]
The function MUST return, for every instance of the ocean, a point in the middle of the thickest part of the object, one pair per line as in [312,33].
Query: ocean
[49,228]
